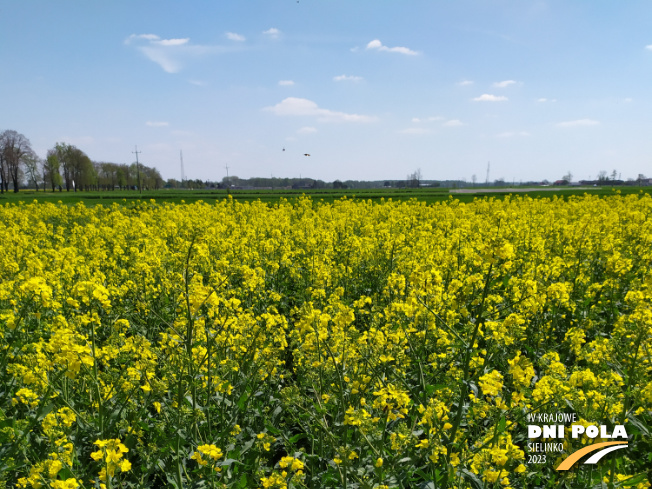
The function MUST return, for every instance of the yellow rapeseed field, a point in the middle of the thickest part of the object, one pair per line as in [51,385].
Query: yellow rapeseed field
[303,344]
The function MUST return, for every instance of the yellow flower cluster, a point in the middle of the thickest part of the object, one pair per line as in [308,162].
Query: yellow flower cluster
[111,452]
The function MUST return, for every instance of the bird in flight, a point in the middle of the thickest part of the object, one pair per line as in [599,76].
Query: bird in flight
[283,149]
[306,154]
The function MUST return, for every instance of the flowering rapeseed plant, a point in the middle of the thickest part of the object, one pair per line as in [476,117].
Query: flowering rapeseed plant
[304,344]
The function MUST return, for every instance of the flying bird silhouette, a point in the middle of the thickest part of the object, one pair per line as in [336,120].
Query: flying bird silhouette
[306,154]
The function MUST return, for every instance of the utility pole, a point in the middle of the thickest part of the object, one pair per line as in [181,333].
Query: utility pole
[140,188]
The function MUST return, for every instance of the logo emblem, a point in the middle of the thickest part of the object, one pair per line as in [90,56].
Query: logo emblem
[604,448]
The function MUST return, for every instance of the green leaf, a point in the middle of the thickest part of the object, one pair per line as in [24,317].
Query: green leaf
[271,429]
[432,388]
[638,425]
[298,437]
[634,480]
[502,424]
[44,411]
[228,462]
[472,479]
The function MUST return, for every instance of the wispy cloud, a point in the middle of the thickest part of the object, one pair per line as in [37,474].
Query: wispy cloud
[293,106]
[172,42]
[512,134]
[198,83]
[351,78]
[235,37]
[427,119]
[307,130]
[170,54]
[415,130]
[486,97]
[579,123]
[504,83]
[273,33]
[465,83]
[649,47]
[148,37]
[453,123]
[156,124]
[376,44]
[286,83]
[544,100]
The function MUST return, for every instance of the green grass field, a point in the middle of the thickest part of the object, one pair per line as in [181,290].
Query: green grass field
[429,195]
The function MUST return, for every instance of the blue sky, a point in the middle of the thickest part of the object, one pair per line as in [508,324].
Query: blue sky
[370,89]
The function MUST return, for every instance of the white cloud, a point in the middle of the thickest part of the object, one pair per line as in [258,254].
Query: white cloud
[293,106]
[148,37]
[172,42]
[427,119]
[286,83]
[628,100]
[161,58]
[453,123]
[273,32]
[649,47]
[170,54]
[415,130]
[579,123]
[485,97]
[235,37]
[504,84]
[511,134]
[465,83]
[156,124]
[544,100]
[348,78]
[307,130]
[376,44]
[198,83]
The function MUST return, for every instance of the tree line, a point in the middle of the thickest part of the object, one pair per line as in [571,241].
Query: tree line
[66,167]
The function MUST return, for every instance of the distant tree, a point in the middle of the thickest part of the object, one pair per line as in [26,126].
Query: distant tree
[51,170]
[14,147]
[337,184]
[78,170]
[83,170]
[602,176]
[568,177]
[474,179]
[32,165]
[4,172]
[640,179]
[414,179]
[230,181]
[151,178]
[614,174]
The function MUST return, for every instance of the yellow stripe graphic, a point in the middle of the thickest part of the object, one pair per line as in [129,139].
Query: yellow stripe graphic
[575,456]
